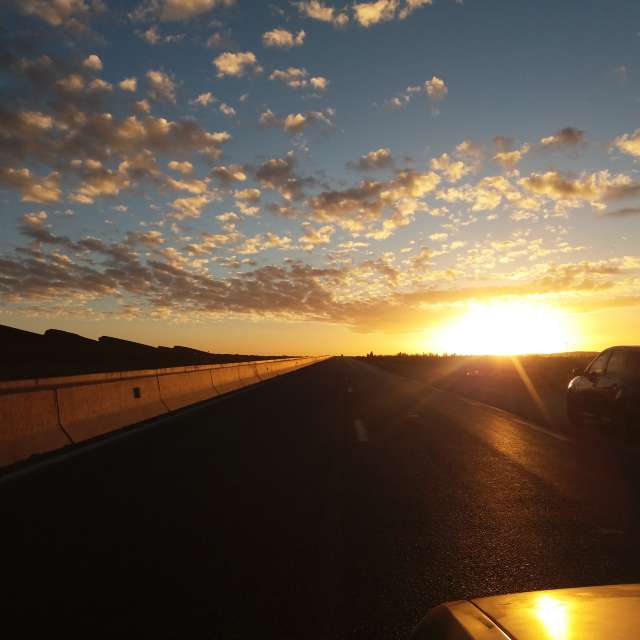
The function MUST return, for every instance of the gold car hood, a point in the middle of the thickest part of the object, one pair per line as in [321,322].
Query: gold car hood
[591,613]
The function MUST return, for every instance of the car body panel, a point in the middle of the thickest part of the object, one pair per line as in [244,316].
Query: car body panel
[607,612]
[459,620]
[589,613]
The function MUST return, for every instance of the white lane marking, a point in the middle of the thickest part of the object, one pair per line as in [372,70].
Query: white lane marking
[513,418]
[361,430]
[535,427]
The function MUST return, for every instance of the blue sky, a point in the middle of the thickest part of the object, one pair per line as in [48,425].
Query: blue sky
[311,176]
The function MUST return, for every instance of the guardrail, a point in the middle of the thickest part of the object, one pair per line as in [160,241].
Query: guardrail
[42,415]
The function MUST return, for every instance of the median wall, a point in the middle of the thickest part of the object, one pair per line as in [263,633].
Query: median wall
[38,416]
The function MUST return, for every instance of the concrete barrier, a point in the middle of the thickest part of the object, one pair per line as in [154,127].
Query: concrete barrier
[90,410]
[248,375]
[225,379]
[266,370]
[29,425]
[179,390]
[41,415]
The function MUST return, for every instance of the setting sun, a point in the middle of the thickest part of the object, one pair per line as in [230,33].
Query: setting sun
[506,328]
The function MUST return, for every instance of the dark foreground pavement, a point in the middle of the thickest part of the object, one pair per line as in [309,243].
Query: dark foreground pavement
[337,502]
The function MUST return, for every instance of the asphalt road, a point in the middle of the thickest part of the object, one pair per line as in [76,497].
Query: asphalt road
[340,501]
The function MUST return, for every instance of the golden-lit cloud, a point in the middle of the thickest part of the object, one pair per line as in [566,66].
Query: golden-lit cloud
[129,84]
[298,78]
[283,39]
[236,64]
[175,10]
[161,85]
[367,14]
[297,122]
[629,143]
[32,188]
[436,88]
[318,10]
[92,62]
[378,159]
[183,167]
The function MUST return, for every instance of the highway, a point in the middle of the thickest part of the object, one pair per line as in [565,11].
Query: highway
[340,501]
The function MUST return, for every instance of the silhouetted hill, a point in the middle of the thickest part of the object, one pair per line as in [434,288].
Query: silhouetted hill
[59,353]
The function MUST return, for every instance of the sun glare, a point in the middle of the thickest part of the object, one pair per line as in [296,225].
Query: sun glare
[505,328]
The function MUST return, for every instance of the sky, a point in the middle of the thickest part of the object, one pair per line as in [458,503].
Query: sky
[315,177]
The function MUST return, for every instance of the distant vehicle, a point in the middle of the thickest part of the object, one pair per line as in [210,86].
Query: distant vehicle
[608,389]
[596,613]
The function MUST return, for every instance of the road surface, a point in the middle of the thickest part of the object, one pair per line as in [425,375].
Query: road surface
[340,501]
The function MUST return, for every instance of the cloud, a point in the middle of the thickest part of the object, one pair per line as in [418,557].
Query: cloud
[629,143]
[509,159]
[314,237]
[367,14]
[378,159]
[412,5]
[56,13]
[153,36]
[229,174]
[590,187]
[393,201]
[190,207]
[103,182]
[436,89]
[176,10]
[283,39]
[453,170]
[92,62]
[32,188]
[129,84]
[298,78]
[279,175]
[297,122]
[182,167]
[162,86]
[567,137]
[317,10]
[204,99]
[226,110]
[237,64]
[263,242]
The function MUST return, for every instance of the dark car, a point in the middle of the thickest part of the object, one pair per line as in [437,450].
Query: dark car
[608,389]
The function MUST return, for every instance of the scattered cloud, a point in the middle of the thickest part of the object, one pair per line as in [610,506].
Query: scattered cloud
[92,62]
[204,99]
[567,137]
[129,84]
[367,14]
[317,10]
[298,78]
[161,85]
[283,39]
[183,167]
[177,10]
[379,159]
[629,143]
[236,64]
[297,122]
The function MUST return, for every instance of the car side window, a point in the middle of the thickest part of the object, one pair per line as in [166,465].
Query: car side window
[600,363]
[617,362]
